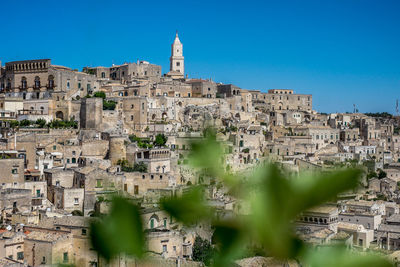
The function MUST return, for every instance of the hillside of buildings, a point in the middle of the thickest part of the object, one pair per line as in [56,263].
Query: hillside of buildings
[70,141]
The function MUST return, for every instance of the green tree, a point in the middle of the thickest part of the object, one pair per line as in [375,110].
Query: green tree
[40,123]
[381,174]
[160,140]
[202,250]
[140,167]
[14,124]
[371,175]
[25,123]
[109,105]
[100,94]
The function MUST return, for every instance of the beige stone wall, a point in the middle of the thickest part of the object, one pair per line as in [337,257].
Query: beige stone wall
[73,199]
[117,149]
[141,182]
[14,245]
[171,240]
[12,172]
[95,148]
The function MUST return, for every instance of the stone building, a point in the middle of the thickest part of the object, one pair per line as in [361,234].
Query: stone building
[284,99]
[324,217]
[12,172]
[142,70]
[48,248]
[137,183]
[156,159]
[203,88]
[15,200]
[91,113]
[12,245]
[39,79]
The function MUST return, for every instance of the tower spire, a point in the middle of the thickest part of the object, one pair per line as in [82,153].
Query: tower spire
[177,59]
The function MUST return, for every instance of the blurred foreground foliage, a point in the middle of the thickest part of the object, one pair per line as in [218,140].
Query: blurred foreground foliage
[270,204]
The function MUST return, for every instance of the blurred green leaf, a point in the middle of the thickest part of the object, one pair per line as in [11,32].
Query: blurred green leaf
[229,239]
[277,201]
[313,190]
[119,232]
[207,155]
[189,208]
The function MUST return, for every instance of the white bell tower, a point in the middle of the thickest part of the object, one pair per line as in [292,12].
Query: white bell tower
[177,60]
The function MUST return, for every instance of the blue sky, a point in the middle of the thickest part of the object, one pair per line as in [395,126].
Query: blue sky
[343,52]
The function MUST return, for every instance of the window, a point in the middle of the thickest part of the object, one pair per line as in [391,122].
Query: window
[23,83]
[103,75]
[83,231]
[164,248]
[131,117]
[51,82]
[14,171]
[178,64]
[88,86]
[152,177]
[20,255]
[68,85]
[174,248]
[76,201]
[132,106]
[54,147]
[44,260]
[73,160]
[99,183]
[37,82]
[79,85]
[165,222]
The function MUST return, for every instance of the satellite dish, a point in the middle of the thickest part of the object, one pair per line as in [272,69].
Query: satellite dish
[8,228]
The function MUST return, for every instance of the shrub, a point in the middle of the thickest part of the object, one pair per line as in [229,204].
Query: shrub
[100,94]
[202,250]
[109,105]
[40,123]
[160,140]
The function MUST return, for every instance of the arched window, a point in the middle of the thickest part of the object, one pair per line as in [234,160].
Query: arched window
[37,82]
[153,223]
[23,83]
[103,75]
